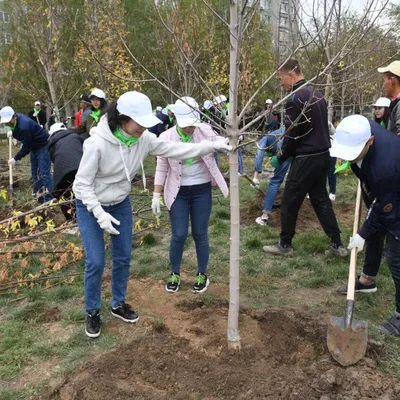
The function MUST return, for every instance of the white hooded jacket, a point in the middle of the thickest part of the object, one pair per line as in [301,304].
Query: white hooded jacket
[108,166]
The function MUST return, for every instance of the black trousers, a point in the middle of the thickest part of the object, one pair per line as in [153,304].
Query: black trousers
[393,261]
[308,175]
[64,189]
[373,254]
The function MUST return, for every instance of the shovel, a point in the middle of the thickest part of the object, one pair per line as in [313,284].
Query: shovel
[10,187]
[347,338]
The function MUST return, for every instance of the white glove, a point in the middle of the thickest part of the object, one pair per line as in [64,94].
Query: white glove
[105,220]
[155,204]
[356,241]
[222,145]
[12,162]
[9,134]
[15,142]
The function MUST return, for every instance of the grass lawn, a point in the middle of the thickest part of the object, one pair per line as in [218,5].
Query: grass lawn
[41,329]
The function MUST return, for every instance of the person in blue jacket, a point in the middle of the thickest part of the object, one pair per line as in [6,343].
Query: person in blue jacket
[34,142]
[167,118]
[373,153]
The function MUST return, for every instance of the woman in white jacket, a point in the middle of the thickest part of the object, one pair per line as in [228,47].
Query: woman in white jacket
[112,156]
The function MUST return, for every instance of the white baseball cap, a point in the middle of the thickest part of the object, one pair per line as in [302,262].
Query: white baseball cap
[37,103]
[186,112]
[97,93]
[220,99]
[393,67]
[137,106]
[58,126]
[207,104]
[382,102]
[351,136]
[6,114]
[158,108]
[268,101]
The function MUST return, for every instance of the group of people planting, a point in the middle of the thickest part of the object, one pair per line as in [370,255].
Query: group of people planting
[104,164]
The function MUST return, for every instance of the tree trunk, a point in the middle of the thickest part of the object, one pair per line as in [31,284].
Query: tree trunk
[233,315]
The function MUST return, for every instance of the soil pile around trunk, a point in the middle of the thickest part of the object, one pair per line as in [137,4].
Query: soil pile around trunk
[283,356]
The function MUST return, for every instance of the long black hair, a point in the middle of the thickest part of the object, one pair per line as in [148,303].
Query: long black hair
[384,119]
[114,118]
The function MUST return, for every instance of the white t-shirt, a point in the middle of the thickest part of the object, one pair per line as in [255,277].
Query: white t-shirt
[196,174]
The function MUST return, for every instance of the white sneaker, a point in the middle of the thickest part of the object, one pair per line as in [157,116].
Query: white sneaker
[332,196]
[262,221]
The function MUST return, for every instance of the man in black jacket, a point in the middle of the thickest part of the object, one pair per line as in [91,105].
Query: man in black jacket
[37,114]
[307,141]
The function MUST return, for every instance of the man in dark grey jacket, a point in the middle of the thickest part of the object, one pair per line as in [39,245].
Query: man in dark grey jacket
[391,86]
[65,149]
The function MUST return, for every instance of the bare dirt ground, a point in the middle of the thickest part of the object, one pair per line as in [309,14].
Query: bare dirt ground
[283,356]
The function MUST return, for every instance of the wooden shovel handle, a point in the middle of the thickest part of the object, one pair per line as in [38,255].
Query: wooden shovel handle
[10,157]
[353,255]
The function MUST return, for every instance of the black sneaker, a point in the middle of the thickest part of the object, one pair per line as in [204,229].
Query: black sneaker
[278,249]
[360,287]
[337,250]
[201,283]
[173,283]
[125,312]
[391,327]
[93,324]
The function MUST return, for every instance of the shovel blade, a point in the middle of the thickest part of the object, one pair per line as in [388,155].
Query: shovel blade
[347,345]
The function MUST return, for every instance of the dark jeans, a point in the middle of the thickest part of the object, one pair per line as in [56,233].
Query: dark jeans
[194,201]
[373,255]
[64,190]
[308,175]
[95,253]
[332,176]
[41,176]
[393,261]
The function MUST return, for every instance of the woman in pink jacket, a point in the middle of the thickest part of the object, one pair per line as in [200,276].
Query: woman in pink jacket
[187,192]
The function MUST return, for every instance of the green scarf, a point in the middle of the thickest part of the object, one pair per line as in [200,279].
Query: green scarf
[343,167]
[95,114]
[11,128]
[126,141]
[185,138]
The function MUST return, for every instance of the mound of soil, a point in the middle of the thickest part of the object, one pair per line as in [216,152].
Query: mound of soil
[283,357]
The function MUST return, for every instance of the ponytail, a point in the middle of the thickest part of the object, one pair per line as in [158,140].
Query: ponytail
[114,118]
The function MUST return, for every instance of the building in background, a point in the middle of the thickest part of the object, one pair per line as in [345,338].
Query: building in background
[282,16]
[5,34]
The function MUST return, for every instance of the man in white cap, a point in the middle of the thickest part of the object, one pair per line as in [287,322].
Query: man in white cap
[34,142]
[373,154]
[37,114]
[391,86]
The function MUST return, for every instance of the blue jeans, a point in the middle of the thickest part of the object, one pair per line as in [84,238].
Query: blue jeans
[274,184]
[270,141]
[240,160]
[194,201]
[94,246]
[41,176]
[332,176]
